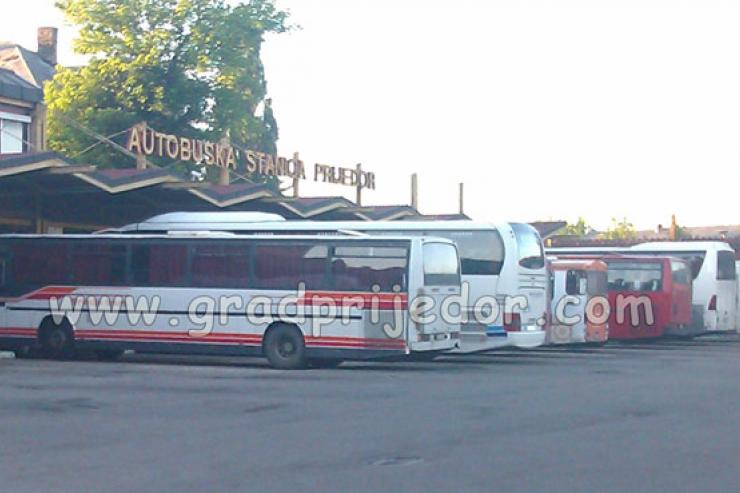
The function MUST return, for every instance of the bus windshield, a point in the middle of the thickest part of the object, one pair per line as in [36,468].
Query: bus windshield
[531,255]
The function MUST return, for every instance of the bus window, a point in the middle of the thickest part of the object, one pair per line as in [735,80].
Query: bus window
[40,264]
[440,265]
[286,266]
[220,266]
[725,266]
[695,260]
[680,273]
[635,276]
[96,264]
[597,283]
[363,268]
[159,265]
[481,251]
[531,255]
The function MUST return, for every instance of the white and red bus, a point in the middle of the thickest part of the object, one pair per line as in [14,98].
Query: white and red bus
[574,284]
[504,260]
[298,300]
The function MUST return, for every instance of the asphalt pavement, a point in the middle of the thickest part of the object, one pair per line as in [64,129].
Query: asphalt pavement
[662,416]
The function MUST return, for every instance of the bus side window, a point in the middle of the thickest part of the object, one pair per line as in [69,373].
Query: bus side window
[220,266]
[285,267]
[159,265]
[98,264]
[361,268]
[140,258]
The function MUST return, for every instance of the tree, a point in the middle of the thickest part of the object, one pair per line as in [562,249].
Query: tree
[621,230]
[580,228]
[187,67]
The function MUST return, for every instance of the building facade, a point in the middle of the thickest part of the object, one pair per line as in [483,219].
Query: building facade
[22,76]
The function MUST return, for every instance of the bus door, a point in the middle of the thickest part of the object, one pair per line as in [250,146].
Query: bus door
[569,299]
[724,305]
[441,283]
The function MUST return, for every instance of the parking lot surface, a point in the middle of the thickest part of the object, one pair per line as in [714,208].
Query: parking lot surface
[662,416]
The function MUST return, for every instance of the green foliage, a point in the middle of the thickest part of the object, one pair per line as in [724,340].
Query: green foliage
[188,67]
[580,228]
[621,230]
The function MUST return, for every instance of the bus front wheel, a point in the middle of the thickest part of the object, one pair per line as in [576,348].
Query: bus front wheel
[285,347]
[56,340]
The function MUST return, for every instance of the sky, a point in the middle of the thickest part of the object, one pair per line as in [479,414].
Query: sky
[545,110]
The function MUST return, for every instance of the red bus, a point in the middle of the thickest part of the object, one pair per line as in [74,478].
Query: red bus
[649,296]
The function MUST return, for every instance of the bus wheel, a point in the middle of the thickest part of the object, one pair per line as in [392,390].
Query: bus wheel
[324,363]
[56,341]
[284,347]
[108,354]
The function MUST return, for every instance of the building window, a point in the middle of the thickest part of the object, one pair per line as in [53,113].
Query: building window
[13,133]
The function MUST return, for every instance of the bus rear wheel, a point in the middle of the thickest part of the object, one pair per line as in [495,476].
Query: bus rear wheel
[56,340]
[285,347]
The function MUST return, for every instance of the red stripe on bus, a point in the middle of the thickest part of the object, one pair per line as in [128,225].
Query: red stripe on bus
[228,338]
[221,338]
[17,331]
[383,301]
[49,292]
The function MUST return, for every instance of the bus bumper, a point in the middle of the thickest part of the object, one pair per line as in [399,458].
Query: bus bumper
[527,339]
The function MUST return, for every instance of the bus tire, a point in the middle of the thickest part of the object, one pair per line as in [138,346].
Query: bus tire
[108,354]
[57,341]
[285,347]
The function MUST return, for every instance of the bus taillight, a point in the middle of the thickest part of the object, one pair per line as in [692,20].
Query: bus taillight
[512,322]
[712,303]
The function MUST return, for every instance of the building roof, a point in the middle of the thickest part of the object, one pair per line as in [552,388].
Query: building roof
[25,63]
[386,212]
[663,233]
[15,87]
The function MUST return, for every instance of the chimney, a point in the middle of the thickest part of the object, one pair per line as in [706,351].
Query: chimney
[47,40]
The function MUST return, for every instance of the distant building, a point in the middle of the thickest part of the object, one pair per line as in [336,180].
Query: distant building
[22,76]
[727,233]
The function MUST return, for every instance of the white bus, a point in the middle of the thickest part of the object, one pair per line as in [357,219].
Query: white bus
[714,283]
[502,261]
[714,286]
[737,297]
[298,300]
